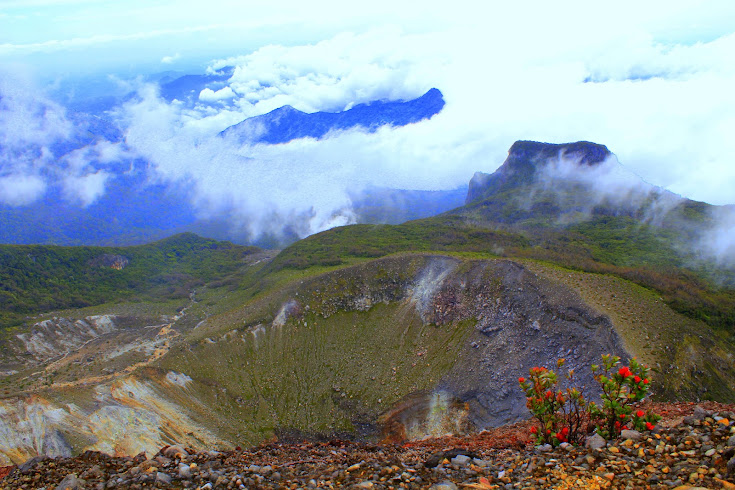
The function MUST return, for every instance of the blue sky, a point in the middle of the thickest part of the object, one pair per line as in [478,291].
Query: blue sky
[651,80]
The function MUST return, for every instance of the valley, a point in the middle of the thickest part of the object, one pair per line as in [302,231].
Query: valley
[369,332]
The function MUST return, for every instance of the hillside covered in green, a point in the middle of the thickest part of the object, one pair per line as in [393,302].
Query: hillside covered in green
[40,278]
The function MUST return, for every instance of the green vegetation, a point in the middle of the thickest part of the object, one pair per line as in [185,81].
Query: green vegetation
[624,246]
[36,278]
[316,375]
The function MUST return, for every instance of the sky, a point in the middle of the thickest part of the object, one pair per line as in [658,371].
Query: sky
[651,80]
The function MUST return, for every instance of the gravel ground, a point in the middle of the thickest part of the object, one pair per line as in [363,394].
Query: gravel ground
[693,447]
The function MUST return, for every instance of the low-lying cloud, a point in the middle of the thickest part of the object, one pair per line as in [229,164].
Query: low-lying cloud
[611,185]
[42,148]
[666,109]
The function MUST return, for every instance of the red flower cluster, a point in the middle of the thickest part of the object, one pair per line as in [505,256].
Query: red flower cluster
[563,434]
[625,372]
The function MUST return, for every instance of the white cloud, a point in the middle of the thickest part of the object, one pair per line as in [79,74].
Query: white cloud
[662,98]
[503,80]
[209,95]
[86,188]
[720,241]
[27,116]
[40,147]
[20,190]
[170,59]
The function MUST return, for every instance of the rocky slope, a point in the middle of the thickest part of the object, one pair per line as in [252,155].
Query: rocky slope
[370,333]
[694,452]
[397,348]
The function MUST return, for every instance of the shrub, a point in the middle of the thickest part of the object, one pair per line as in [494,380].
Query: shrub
[563,415]
[623,387]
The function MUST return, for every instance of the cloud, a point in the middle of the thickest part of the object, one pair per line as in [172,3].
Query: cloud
[27,116]
[86,188]
[720,240]
[502,80]
[42,147]
[209,95]
[656,94]
[20,190]
[329,75]
[170,59]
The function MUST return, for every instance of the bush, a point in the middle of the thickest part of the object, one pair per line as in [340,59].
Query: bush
[622,389]
[563,415]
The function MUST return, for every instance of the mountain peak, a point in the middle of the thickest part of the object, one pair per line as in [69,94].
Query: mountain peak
[524,160]
[584,151]
[286,123]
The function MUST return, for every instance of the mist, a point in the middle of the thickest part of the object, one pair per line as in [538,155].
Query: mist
[658,97]
[611,185]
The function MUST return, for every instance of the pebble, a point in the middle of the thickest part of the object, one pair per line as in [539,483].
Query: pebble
[687,456]
[595,441]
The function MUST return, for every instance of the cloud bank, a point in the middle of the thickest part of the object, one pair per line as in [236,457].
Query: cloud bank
[658,96]
[42,148]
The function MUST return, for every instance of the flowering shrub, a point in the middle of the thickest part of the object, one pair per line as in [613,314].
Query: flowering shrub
[560,413]
[563,414]
[622,388]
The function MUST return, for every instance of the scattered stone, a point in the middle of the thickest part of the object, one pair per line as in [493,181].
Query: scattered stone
[633,435]
[595,441]
[71,482]
[162,478]
[461,460]
[687,456]
[445,485]
[700,413]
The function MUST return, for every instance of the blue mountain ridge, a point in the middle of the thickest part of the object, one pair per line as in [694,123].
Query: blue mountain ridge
[133,210]
[286,123]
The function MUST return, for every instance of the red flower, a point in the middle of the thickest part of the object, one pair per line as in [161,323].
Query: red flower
[561,437]
[565,431]
[617,424]
[645,381]
[624,372]
[549,394]
[625,427]
[622,416]
[649,426]
[534,430]
[640,413]
[637,379]
[521,379]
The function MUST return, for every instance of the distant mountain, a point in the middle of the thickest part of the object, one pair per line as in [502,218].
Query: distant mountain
[525,158]
[564,185]
[286,123]
[187,87]
[135,209]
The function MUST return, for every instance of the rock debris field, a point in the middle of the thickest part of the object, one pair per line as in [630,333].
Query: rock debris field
[692,448]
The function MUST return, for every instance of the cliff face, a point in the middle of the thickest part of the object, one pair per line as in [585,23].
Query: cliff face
[526,158]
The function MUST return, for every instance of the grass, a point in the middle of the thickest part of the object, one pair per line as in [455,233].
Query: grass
[316,374]
[36,279]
